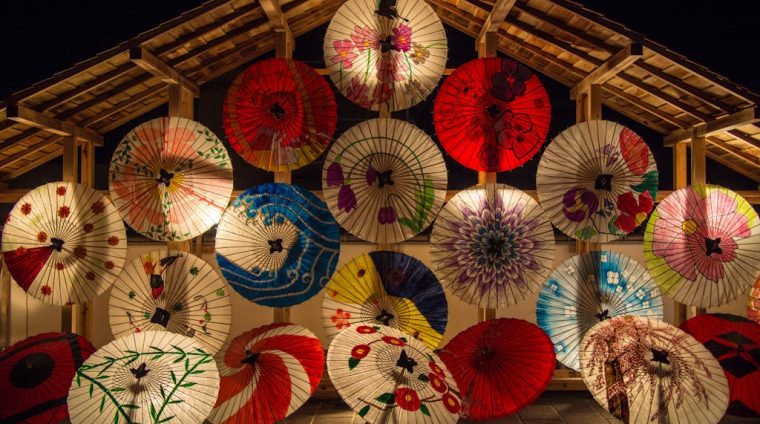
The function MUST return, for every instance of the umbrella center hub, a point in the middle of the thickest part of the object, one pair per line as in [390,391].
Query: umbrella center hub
[385,178]
[605,314]
[56,243]
[660,356]
[712,246]
[603,182]
[387,45]
[161,317]
[164,177]
[275,246]
[140,371]
[276,110]
[493,111]
[385,317]
[250,358]
[497,246]
[406,363]
[32,371]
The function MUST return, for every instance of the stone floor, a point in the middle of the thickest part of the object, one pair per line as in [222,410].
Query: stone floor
[550,408]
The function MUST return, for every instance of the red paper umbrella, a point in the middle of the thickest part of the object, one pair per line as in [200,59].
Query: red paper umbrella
[492,114]
[35,375]
[280,114]
[500,366]
[735,343]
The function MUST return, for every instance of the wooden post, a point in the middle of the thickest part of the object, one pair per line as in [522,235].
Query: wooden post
[70,314]
[698,176]
[180,105]
[588,106]
[680,180]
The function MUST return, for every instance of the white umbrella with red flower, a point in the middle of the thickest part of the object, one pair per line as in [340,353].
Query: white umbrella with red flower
[173,291]
[385,375]
[597,181]
[386,53]
[384,180]
[64,243]
[702,245]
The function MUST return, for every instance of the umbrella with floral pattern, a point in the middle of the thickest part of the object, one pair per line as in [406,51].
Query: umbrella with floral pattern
[597,181]
[64,243]
[386,288]
[702,245]
[173,291]
[280,114]
[386,376]
[492,245]
[647,371]
[492,114]
[589,288]
[384,180]
[170,179]
[385,53]
[753,302]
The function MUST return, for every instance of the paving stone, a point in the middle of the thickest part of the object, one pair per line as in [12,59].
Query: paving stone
[544,421]
[538,412]
[583,418]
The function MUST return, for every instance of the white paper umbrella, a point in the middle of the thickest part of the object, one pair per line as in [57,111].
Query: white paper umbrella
[647,371]
[387,376]
[267,374]
[385,52]
[597,181]
[589,288]
[492,245]
[171,179]
[64,243]
[148,377]
[173,291]
[384,180]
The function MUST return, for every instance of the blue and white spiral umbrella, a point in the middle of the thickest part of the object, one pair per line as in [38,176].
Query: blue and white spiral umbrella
[277,244]
[590,288]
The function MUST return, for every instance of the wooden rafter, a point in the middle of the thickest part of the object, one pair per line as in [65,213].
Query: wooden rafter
[31,165]
[103,97]
[609,68]
[34,148]
[499,12]
[146,60]
[731,164]
[726,123]
[747,138]
[753,160]
[27,116]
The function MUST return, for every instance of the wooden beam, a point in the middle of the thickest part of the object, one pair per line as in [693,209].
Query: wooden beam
[9,195]
[108,95]
[753,160]
[118,107]
[279,23]
[143,58]
[498,13]
[611,67]
[747,138]
[27,116]
[729,122]
[731,164]
[36,147]
[86,87]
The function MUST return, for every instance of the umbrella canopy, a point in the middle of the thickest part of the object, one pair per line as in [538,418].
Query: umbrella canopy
[735,343]
[280,114]
[170,179]
[646,371]
[267,374]
[148,377]
[173,291]
[35,375]
[385,53]
[492,245]
[597,181]
[277,244]
[589,288]
[386,376]
[492,114]
[753,303]
[64,243]
[702,245]
[386,288]
[500,366]
[384,180]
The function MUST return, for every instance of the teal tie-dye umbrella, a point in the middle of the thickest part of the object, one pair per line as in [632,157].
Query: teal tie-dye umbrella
[277,244]
[590,288]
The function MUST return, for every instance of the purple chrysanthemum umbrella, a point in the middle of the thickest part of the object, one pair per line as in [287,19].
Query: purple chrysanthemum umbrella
[492,245]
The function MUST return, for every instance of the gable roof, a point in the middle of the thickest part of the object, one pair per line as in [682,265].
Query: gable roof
[657,87]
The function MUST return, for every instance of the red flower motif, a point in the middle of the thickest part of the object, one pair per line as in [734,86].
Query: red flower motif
[437,383]
[61,191]
[341,319]
[358,92]
[393,341]
[109,265]
[42,237]
[98,207]
[26,208]
[402,38]
[80,252]
[451,403]
[631,213]
[113,241]
[360,351]
[20,250]
[407,399]
[90,276]
[345,54]
[436,369]
[365,38]
[87,227]
[63,212]
[635,151]
[383,92]
[365,329]
[46,290]
[59,266]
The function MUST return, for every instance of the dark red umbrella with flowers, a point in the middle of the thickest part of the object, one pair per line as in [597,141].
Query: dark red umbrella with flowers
[735,343]
[280,114]
[500,366]
[492,114]
[35,375]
